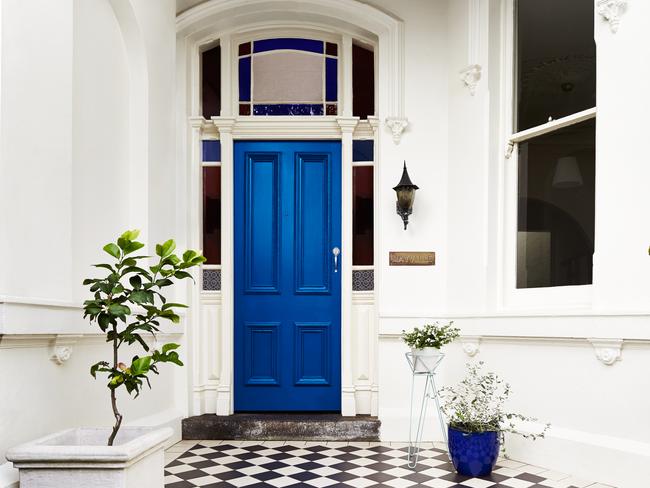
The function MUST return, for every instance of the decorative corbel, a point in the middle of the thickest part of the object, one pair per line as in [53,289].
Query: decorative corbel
[471,345]
[611,11]
[608,351]
[470,76]
[509,148]
[397,126]
[61,348]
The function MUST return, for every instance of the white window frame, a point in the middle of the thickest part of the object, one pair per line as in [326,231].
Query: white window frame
[574,297]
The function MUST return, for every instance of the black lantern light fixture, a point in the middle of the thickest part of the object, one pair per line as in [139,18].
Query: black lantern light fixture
[405,190]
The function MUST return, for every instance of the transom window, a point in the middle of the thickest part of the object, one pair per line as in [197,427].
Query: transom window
[288,76]
[556,132]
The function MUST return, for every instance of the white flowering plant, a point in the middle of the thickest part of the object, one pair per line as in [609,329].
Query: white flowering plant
[477,404]
[430,335]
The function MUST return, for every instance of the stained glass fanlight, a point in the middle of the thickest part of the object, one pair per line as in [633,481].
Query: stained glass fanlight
[288,76]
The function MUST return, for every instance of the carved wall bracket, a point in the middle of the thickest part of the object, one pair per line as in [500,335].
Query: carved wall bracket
[61,348]
[471,345]
[470,76]
[608,351]
[611,11]
[397,126]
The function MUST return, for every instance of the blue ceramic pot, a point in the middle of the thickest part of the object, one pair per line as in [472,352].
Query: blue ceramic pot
[473,454]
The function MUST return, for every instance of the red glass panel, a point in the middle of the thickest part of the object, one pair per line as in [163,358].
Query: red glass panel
[244,109]
[362,215]
[212,214]
[211,82]
[245,49]
[363,82]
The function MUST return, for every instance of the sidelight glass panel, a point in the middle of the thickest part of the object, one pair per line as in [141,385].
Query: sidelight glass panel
[556,60]
[212,214]
[555,232]
[362,215]
[211,82]
[211,150]
[363,82]
[363,150]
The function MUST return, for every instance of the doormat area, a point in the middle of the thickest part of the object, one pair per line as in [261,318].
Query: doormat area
[276,464]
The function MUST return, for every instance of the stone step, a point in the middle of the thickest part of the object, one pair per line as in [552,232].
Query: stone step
[282,426]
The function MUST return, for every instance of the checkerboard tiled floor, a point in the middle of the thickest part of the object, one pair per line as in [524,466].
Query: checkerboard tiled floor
[309,464]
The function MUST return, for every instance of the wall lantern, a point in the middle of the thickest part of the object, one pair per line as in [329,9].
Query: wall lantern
[405,190]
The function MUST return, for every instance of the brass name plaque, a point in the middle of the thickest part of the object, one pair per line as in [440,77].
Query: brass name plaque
[412,258]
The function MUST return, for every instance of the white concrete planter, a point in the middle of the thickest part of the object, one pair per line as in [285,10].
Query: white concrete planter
[425,359]
[80,458]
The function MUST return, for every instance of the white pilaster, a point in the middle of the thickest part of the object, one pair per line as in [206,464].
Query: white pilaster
[224,392]
[348,403]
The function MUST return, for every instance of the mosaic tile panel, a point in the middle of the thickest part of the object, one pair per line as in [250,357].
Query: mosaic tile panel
[211,280]
[363,280]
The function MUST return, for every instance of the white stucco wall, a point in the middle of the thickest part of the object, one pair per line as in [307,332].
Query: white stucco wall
[84,123]
[87,117]
[597,411]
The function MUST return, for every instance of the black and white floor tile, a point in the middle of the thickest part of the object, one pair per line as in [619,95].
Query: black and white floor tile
[280,464]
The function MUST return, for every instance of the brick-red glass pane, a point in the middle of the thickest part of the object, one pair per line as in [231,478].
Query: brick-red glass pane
[212,214]
[211,82]
[363,82]
[362,216]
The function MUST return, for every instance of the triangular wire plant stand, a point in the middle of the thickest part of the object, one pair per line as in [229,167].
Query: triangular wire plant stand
[419,368]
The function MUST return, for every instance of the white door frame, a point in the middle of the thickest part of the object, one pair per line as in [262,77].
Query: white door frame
[226,21]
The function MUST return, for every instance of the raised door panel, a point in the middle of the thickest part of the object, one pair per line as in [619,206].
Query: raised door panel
[312,223]
[312,353]
[261,354]
[262,220]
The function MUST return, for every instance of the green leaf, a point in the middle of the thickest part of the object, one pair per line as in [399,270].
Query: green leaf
[130,235]
[136,282]
[112,249]
[105,266]
[169,347]
[118,310]
[140,365]
[182,274]
[132,247]
[141,296]
[168,247]
[172,305]
[189,255]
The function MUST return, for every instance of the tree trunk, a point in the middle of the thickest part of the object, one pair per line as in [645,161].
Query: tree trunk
[116,412]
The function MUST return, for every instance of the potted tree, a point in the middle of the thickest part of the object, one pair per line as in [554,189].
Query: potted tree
[127,303]
[478,421]
[425,343]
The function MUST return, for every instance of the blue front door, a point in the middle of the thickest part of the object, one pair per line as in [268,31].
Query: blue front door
[287,277]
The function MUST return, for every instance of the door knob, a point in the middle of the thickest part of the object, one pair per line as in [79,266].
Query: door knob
[336,251]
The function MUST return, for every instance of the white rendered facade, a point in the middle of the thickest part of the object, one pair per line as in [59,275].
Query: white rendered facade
[108,106]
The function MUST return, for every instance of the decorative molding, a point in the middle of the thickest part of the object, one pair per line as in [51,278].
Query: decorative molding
[471,345]
[611,11]
[198,122]
[397,126]
[608,351]
[470,76]
[347,124]
[510,145]
[61,348]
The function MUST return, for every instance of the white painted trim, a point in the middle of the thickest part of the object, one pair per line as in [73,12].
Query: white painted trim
[510,298]
[631,329]
[553,125]
[231,20]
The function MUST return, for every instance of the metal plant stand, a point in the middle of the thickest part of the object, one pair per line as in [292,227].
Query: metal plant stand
[419,368]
